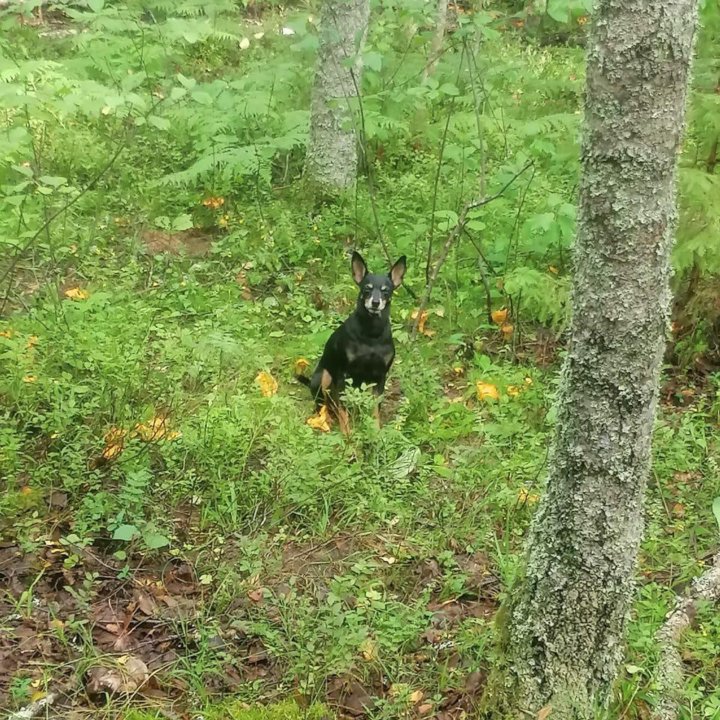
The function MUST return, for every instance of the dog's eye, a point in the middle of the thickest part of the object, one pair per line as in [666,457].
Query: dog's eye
[384,289]
[368,287]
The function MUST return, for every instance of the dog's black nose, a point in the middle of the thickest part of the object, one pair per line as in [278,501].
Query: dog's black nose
[376,303]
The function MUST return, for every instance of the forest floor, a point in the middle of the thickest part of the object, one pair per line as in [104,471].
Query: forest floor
[248,555]
[177,542]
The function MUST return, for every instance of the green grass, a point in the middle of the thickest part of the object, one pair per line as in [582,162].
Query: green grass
[308,545]
[235,711]
[243,556]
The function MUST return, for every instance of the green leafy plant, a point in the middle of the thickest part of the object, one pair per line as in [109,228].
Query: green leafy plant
[159,253]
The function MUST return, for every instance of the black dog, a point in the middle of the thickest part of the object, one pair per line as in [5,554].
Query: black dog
[362,348]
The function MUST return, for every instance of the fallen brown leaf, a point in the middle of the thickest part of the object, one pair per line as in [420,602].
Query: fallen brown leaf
[544,712]
[126,677]
[145,603]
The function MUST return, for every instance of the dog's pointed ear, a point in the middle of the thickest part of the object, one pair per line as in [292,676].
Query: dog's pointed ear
[358,266]
[397,272]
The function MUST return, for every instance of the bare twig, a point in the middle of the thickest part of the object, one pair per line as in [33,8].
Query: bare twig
[362,142]
[515,234]
[478,114]
[452,237]
[436,185]
[483,275]
[21,251]
[669,673]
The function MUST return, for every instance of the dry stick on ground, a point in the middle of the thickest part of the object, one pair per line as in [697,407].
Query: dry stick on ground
[453,236]
[35,709]
[670,667]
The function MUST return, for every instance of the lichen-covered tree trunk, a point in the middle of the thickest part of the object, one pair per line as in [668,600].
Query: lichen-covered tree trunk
[438,37]
[567,624]
[331,161]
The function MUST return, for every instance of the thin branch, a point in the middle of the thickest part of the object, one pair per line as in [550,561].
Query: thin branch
[478,116]
[391,79]
[515,234]
[428,259]
[72,201]
[483,275]
[487,100]
[362,138]
[436,184]
[452,237]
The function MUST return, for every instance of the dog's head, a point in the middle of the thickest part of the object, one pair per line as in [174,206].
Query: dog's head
[376,290]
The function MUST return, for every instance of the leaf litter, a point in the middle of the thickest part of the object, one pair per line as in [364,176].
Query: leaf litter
[143,624]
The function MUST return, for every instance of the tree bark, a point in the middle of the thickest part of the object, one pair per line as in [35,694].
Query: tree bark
[332,154]
[567,622]
[670,676]
[713,156]
[438,37]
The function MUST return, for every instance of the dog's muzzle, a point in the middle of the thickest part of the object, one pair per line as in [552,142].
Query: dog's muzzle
[375,304]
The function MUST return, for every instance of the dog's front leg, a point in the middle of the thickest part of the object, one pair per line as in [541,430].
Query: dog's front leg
[378,390]
[331,390]
[326,381]
[340,411]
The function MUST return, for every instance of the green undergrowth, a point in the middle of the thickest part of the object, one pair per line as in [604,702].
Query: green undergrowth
[235,711]
[137,448]
[350,546]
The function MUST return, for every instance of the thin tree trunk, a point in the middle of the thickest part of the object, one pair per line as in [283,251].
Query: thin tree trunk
[567,622]
[438,37]
[332,154]
[713,156]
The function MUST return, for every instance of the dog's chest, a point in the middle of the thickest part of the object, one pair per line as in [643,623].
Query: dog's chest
[367,360]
